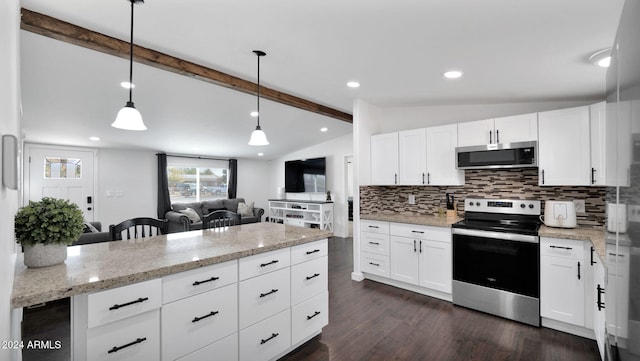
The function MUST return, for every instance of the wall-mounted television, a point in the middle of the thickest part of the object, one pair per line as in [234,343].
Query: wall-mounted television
[305,175]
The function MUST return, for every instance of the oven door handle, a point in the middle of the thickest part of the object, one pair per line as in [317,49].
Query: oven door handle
[496,235]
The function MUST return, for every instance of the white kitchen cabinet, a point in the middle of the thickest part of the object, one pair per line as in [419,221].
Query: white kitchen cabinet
[404,260]
[374,247]
[264,296]
[266,339]
[412,160]
[598,128]
[435,265]
[618,137]
[441,156]
[564,147]
[384,159]
[562,281]
[225,349]
[617,310]
[517,128]
[308,317]
[598,305]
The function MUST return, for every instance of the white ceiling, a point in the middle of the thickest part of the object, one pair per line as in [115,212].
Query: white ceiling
[510,51]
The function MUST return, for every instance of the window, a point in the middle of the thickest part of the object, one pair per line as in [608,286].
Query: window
[62,168]
[195,180]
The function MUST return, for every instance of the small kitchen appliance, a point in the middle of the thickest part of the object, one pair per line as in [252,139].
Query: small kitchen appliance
[496,258]
[561,214]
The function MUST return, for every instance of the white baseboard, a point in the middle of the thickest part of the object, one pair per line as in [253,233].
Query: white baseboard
[413,288]
[568,328]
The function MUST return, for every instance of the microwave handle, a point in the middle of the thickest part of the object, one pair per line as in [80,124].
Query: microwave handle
[490,137]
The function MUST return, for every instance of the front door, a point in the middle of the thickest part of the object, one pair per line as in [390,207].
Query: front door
[61,172]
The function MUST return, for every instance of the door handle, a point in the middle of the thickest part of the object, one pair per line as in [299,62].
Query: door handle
[578,269]
[599,302]
[592,261]
[593,176]
[414,246]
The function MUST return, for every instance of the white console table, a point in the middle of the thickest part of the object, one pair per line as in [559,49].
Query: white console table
[310,214]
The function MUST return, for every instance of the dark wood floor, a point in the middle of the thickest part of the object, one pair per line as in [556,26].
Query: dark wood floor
[372,321]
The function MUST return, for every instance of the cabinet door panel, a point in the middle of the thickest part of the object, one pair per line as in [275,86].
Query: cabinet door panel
[225,349]
[413,157]
[441,156]
[561,292]
[435,266]
[384,159]
[517,128]
[404,260]
[261,297]
[475,133]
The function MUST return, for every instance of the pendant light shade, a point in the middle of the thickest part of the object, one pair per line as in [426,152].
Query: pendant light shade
[129,117]
[258,137]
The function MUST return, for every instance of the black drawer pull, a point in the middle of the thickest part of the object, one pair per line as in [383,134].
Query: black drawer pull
[561,247]
[374,264]
[269,263]
[212,313]
[118,348]
[600,293]
[314,276]
[578,269]
[314,315]
[139,300]
[268,293]
[214,278]
[421,232]
[376,243]
[314,251]
[373,227]
[613,254]
[273,335]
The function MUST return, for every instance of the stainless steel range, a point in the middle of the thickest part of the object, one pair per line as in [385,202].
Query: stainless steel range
[496,258]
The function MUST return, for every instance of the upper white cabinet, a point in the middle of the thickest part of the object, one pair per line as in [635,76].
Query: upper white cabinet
[518,128]
[598,127]
[384,159]
[564,152]
[441,156]
[412,157]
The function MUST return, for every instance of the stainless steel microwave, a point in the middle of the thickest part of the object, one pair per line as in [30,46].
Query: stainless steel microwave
[501,155]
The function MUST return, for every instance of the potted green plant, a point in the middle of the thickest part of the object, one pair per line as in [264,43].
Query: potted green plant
[45,228]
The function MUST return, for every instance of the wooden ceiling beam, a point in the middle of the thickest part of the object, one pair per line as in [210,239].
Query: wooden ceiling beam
[60,30]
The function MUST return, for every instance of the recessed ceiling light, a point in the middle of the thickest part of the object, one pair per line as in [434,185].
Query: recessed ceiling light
[601,58]
[353,84]
[324,129]
[95,139]
[260,154]
[127,85]
[453,74]
[254,114]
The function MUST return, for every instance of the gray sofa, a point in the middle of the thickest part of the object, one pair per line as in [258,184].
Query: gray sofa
[90,236]
[179,222]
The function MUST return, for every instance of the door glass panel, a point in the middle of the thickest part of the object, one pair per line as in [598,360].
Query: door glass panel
[62,168]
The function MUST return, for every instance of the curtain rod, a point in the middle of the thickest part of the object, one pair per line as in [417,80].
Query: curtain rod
[192,156]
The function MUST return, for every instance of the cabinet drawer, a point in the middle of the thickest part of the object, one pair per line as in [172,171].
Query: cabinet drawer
[440,234]
[375,243]
[225,349]
[567,248]
[135,338]
[309,317]
[195,322]
[375,264]
[193,282]
[309,279]
[293,221]
[374,226]
[264,296]
[264,263]
[122,302]
[309,251]
[266,339]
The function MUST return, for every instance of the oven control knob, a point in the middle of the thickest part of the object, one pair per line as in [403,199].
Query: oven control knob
[478,204]
[471,204]
[531,206]
[522,205]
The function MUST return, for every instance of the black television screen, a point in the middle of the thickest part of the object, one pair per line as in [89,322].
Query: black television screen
[305,175]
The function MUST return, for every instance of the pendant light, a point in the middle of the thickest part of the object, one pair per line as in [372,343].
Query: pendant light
[257,136]
[129,117]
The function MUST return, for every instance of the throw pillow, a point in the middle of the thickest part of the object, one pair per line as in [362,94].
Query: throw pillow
[89,228]
[191,214]
[245,209]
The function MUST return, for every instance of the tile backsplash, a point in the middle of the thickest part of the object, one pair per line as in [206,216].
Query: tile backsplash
[495,184]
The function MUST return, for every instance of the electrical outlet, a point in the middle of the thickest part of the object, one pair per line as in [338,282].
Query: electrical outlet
[412,199]
[580,207]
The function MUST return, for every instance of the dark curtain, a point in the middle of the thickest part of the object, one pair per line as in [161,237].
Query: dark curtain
[233,178]
[164,202]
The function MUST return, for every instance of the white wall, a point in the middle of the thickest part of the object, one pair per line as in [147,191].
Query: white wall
[335,152]
[10,123]
[253,183]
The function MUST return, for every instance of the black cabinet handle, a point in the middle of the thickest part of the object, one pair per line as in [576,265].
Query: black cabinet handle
[314,251]
[414,246]
[578,269]
[273,335]
[497,136]
[375,243]
[422,178]
[314,276]
[314,315]
[421,232]
[212,313]
[395,178]
[542,171]
[600,293]
[490,137]
[269,263]
[139,300]
[374,264]
[214,278]
[613,254]
[593,176]
[420,246]
[560,247]
[376,227]
[268,293]
[592,261]
[428,178]
[118,348]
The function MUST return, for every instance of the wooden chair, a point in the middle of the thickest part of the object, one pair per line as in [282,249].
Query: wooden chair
[220,219]
[140,227]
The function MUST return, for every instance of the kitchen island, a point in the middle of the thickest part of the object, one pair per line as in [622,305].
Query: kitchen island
[237,291]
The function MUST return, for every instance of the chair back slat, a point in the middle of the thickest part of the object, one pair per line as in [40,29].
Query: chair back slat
[221,219]
[137,227]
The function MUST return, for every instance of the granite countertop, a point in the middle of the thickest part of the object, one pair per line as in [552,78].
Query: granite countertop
[101,266]
[411,218]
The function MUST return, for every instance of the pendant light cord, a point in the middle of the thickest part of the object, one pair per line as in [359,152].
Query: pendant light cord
[131,57]
[258,90]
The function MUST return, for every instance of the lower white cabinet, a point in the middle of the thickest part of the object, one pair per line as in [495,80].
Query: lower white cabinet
[562,280]
[308,317]
[599,323]
[266,339]
[225,349]
[263,296]
[436,266]
[375,264]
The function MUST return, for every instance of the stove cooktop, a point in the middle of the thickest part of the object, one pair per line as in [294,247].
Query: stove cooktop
[510,216]
[498,226]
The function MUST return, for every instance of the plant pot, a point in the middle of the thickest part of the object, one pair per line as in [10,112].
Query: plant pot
[44,255]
